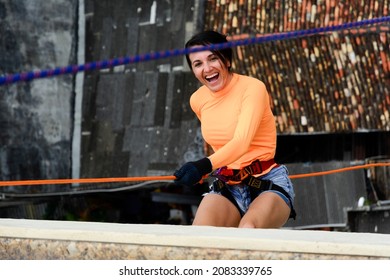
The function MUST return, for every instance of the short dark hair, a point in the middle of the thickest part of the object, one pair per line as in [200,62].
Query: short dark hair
[210,37]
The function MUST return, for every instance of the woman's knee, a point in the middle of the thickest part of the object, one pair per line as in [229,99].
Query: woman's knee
[267,211]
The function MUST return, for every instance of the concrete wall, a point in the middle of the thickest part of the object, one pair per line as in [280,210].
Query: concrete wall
[134,117]
[36,118]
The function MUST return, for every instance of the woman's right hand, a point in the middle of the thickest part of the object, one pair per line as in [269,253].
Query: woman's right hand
[192,172]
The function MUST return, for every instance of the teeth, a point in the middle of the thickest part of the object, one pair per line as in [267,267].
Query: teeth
[212,76]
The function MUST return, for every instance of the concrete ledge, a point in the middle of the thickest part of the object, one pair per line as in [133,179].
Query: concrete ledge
[38,239]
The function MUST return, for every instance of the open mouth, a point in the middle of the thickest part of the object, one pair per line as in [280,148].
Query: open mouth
[212,78]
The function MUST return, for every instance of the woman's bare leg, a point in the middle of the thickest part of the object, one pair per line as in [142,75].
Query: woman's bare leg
[216,210]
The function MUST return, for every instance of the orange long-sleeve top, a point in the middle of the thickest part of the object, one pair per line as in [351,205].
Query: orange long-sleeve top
[237,122]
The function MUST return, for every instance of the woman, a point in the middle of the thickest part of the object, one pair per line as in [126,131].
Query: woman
[250,189]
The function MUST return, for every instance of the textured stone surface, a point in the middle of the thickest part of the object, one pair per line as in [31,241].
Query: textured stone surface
[35,249]
[32,239]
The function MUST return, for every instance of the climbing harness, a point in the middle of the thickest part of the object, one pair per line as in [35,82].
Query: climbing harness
[226,176]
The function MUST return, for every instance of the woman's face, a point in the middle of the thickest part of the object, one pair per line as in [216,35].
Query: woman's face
[209,69]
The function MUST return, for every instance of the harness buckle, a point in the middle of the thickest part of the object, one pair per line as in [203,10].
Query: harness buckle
[223,174]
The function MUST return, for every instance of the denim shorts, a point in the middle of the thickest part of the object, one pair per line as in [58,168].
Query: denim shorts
[278,176]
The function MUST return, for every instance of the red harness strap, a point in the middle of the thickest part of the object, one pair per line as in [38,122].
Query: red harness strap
[235,176]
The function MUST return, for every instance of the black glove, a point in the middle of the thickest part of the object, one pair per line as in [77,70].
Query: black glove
[192,172]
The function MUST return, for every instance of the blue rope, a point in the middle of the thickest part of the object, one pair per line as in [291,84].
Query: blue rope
[28,76]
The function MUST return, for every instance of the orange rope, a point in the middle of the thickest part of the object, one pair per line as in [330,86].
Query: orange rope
[83,181]
[168,178]
[297,176]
